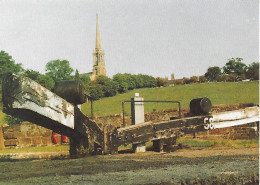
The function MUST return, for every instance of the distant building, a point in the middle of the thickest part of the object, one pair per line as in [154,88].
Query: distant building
[99,67]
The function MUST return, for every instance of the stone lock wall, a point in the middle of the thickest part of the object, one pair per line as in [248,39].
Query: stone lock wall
[26,135]
[247,131]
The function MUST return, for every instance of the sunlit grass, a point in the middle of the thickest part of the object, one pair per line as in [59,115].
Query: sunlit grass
[219,143]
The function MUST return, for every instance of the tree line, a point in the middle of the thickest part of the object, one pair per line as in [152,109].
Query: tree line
[102,86]
[234,70]
[57,70]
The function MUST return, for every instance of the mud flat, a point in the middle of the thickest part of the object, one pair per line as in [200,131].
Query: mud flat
[186,166]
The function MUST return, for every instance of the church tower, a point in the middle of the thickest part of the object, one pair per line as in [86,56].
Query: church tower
[99,67]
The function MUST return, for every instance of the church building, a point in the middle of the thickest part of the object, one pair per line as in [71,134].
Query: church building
[99,67]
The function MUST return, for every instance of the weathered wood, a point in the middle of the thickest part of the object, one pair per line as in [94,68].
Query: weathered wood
[235,118]
[148,131]
[26,99]
[248,112]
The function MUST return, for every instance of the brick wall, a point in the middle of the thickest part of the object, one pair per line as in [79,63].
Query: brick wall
[26,135]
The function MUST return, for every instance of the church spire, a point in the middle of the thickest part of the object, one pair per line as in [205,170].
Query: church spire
[98,43]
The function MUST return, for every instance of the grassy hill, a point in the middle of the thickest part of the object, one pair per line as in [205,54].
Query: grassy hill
[218,93]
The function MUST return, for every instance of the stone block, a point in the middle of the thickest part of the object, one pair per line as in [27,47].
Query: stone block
[36,141]
[32,133]
[11,142]
[45,132]
[46,141]
[25,142]
[9,135]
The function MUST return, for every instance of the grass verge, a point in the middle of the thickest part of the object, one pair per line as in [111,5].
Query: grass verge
[55,148]
[219,143]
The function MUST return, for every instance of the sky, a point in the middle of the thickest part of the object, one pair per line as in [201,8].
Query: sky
[154,37]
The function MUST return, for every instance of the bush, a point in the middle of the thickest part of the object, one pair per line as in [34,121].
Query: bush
[178,82]
[10,120]
[162,82]
[202,79]
[194,79]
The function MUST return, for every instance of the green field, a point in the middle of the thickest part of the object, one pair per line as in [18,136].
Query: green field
[218,93]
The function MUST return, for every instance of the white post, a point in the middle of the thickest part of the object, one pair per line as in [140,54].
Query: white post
[137,114]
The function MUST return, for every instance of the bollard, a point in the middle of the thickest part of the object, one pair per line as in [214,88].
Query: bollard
[137,114]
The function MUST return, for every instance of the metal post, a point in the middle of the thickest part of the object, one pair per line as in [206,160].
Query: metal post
[92,115]
[123,109]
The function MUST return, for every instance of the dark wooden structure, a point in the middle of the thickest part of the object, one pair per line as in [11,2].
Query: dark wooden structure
[26,99]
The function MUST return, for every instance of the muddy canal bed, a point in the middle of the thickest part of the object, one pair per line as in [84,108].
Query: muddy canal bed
[186,166]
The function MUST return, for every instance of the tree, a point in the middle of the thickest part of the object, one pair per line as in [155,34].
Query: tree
[139,81]
[162,82]
[232,77]
[96,91]
[7,64]
[213,73]
[44,80]
[85,79]
[109,87]
[59,70]
[76,77]
[194,79]
[186,80]
[224,78]
[178,82]
[122,82]
[202,79]
[253,71]
[10,120]
[235,66]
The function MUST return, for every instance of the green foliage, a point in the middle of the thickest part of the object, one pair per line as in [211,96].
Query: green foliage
[149,81]
[109,87]
[218,93]
[85,80]
[213,74]
[10,120]
[44,80]
[253,71]
[7,64]
[235,66]
[121,80]
[77,77]
[96,91]
[59,70]
[162,82]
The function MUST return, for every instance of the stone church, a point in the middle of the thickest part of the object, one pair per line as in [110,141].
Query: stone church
[99,67]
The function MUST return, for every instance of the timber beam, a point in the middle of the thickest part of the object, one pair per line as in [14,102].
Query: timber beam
[26,99]
[164,130]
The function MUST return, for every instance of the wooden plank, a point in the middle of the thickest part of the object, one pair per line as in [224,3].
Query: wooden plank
[236,115]
[144,132]
[26,99]
[21,93]
[224,124]
[235,118]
